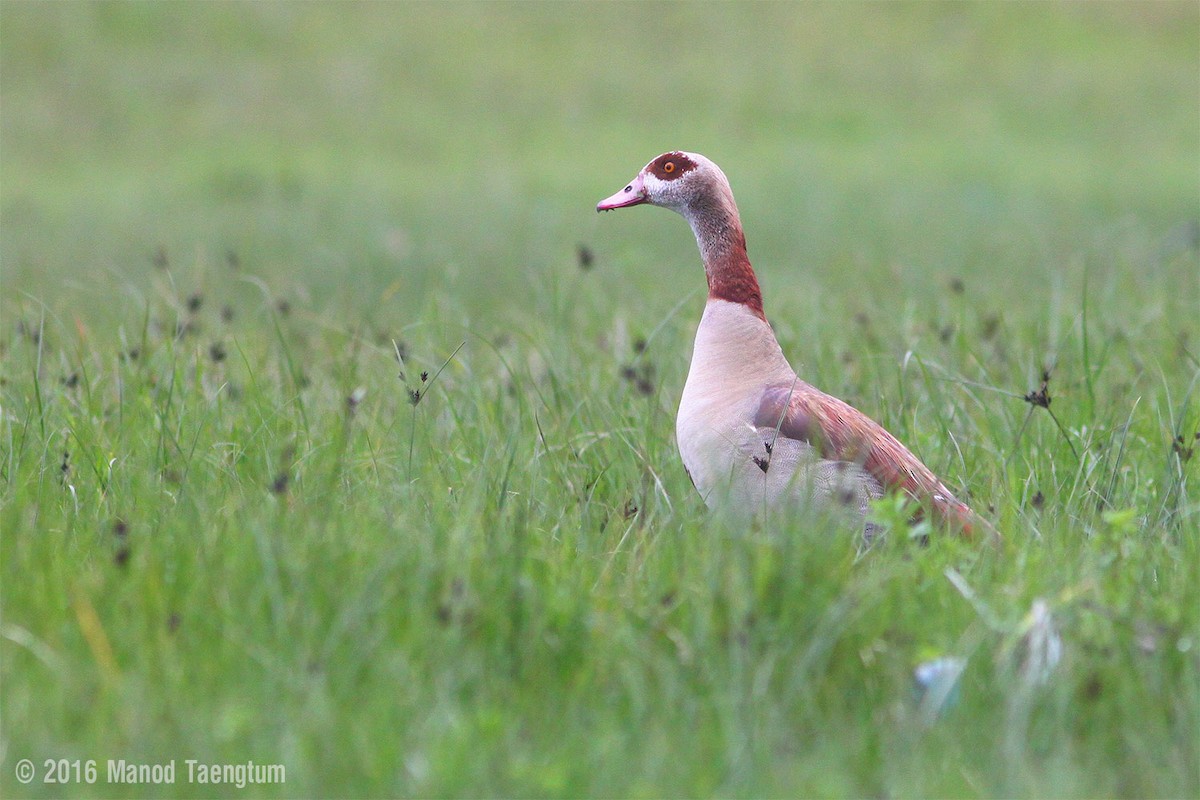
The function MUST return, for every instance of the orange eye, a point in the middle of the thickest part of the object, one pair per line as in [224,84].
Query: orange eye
[669,167]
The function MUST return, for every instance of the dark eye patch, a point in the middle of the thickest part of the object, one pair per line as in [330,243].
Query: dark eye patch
[670,166]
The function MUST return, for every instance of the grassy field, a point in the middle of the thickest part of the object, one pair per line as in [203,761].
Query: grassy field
[337,430]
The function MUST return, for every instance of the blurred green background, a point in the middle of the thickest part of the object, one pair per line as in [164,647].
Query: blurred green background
[368,156]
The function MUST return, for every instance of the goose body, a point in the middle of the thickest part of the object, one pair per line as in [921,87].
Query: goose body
[751,433]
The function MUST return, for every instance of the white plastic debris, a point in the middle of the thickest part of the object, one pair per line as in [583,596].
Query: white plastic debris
[936,685]
[1040,647]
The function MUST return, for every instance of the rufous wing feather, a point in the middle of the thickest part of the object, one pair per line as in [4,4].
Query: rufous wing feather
[841,432]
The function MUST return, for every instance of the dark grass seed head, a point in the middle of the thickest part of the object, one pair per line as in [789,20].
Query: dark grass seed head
[1041,398]
[989,327]
[641,376]
[29,332]
[585,257]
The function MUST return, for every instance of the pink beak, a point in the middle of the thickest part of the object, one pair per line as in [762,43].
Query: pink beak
[632,195]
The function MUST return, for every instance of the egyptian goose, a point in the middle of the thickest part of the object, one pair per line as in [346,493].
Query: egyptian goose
[751,433]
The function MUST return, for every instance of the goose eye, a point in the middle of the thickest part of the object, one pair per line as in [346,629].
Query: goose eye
[669,167]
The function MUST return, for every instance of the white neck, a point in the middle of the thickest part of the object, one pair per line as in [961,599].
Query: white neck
[735,352]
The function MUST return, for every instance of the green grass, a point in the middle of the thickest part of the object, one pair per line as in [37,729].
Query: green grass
[228,534]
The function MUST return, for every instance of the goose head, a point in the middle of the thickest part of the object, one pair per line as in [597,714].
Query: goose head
[683,182]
